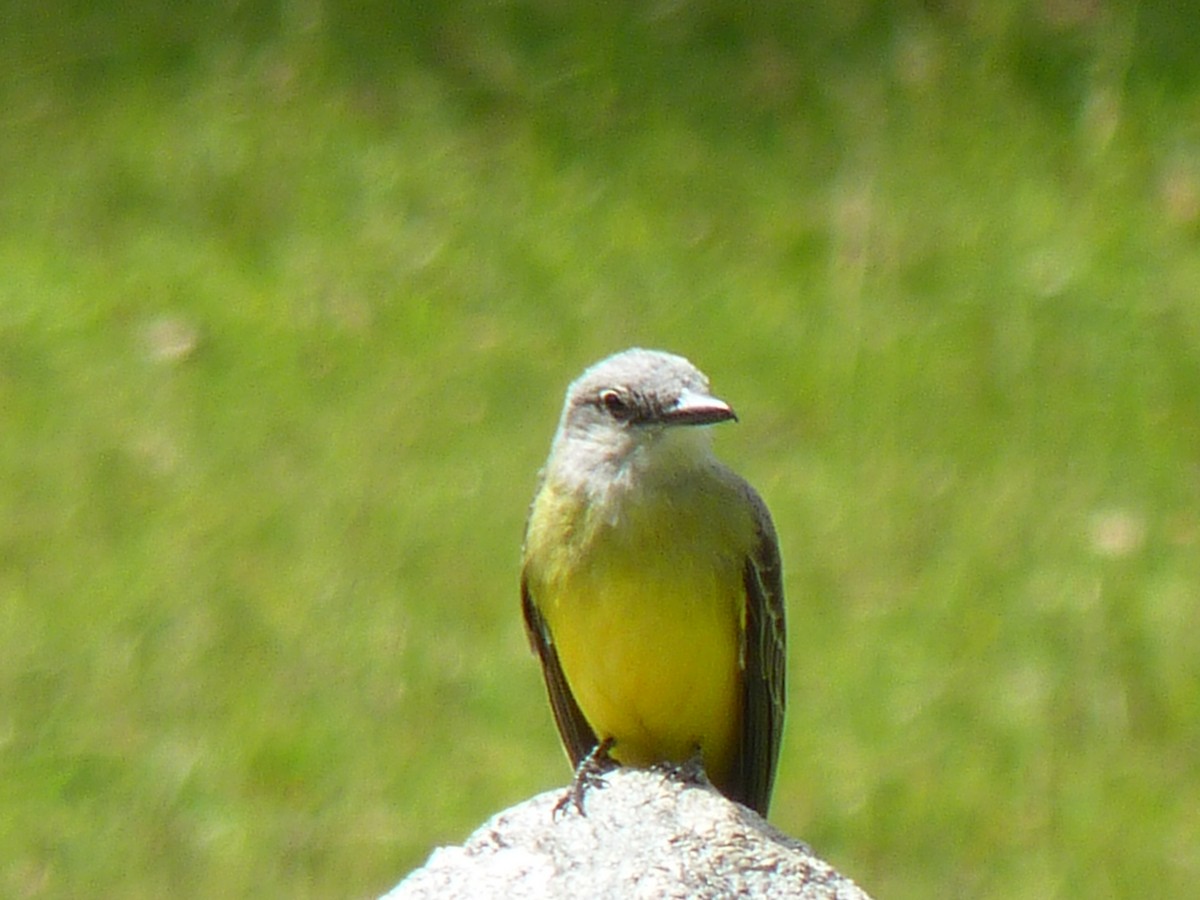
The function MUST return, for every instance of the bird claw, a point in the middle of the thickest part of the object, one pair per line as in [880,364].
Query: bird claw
[691,771]
[588,775]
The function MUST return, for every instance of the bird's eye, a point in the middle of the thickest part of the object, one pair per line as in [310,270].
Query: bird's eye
[616,403]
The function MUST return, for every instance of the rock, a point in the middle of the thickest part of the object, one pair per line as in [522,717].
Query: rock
[644,835]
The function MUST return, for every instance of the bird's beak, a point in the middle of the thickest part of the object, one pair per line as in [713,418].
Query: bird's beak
[694,408]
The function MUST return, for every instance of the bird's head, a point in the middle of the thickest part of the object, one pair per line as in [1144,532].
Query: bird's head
[635,409]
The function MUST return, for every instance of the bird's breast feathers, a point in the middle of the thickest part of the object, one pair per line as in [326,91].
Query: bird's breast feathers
[645,605]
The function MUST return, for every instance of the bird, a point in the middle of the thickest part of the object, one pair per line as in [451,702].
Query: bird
[651,584]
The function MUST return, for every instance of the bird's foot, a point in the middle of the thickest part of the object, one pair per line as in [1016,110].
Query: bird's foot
[589,774]
[690,771]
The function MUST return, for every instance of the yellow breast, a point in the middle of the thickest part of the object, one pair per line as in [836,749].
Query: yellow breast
[646,610]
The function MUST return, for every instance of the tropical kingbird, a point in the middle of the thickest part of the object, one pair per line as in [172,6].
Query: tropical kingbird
[651,584]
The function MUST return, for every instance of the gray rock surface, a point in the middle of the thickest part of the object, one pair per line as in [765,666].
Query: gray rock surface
[644,836]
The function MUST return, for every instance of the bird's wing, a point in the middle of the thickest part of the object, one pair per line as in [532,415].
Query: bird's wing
[577,735]
[764,661]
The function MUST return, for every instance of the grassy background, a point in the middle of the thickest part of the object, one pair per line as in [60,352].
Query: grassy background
[288,298]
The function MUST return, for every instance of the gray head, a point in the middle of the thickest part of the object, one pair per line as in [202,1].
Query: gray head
[627,406]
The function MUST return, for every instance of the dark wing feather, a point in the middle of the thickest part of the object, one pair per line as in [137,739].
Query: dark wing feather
[577,735]
[764,660]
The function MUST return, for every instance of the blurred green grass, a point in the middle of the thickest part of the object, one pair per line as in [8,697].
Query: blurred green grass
[289,298]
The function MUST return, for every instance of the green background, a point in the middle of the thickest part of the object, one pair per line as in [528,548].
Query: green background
[289,296]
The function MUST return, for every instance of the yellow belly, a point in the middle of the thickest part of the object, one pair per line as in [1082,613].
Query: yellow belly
[644,602]
[650,650]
